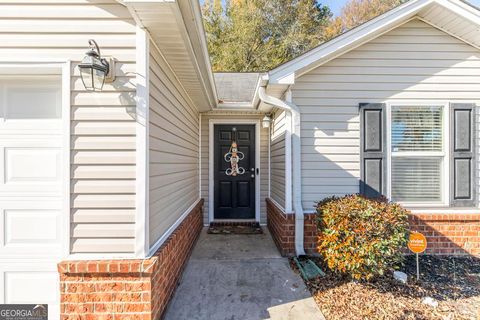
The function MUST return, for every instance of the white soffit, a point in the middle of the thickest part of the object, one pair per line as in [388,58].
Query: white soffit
[176,29]
[452,16]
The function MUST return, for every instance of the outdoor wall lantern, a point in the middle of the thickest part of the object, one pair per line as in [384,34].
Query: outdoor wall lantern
[266,121]
[95,70]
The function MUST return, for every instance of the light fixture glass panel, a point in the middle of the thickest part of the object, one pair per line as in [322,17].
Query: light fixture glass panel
[87,78]
[98,79]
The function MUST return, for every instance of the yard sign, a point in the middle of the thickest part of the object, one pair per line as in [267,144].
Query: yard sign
[417,243]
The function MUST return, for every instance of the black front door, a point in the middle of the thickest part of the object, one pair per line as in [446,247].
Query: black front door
[234,178]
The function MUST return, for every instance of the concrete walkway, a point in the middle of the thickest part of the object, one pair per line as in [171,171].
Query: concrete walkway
[240,277]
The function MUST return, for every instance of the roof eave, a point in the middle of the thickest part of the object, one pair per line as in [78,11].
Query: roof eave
[192,17]
[190,24]
[286,73]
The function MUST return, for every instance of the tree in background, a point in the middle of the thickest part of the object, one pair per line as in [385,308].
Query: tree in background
[356,12]
[258,35]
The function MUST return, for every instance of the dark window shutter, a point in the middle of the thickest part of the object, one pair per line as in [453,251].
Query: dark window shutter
[372,149]
[462,155]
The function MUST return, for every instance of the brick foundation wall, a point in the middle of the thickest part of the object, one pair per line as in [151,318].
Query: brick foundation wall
[282,229]
[447,233]
[128,289]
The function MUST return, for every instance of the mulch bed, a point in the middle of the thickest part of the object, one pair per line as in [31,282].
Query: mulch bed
[235,229]
[454,282]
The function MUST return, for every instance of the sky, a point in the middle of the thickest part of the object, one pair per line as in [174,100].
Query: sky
[336,5]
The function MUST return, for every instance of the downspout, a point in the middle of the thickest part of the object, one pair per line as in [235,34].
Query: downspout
[296,162]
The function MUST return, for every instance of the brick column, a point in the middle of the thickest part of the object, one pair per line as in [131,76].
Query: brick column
[128,289]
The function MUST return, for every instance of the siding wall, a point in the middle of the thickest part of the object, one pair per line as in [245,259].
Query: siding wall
[412,62]
[263,157]
[102,124]
[173,145]
[277,157]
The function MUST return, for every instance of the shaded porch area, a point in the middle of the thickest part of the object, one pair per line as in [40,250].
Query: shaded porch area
[240,277]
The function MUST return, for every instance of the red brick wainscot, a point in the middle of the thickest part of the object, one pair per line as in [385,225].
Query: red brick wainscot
[447,233]
[282,228]
[128,289]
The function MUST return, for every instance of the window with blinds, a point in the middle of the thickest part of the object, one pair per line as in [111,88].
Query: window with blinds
[417,129]
[417,153]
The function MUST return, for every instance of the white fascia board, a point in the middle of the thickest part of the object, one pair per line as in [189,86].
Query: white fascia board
[126,2]
[190,14]
[197,12]
[462,9]
[349,40]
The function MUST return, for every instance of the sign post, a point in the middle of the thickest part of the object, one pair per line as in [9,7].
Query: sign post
[417,243]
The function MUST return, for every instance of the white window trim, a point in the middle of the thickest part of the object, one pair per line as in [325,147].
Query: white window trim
[211,183]
[445,153]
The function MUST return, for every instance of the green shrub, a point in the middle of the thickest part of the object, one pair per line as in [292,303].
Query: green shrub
[361,237]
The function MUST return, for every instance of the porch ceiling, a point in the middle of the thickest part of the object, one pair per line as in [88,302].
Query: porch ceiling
[176,29]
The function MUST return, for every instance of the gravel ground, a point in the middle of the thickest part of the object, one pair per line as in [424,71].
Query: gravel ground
[453,282]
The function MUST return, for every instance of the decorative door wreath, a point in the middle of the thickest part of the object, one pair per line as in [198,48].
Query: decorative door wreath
[234,156]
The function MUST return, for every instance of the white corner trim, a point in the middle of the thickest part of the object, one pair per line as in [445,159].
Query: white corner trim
[142,144]
[269,151]
[66,114]
[199,155]
[288,163]
[211,183]
[170,230]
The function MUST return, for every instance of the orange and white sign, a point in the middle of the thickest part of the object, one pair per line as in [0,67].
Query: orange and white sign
[417,243]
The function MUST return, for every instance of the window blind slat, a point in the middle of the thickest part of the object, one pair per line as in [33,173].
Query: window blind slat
[417,128]
[416,179]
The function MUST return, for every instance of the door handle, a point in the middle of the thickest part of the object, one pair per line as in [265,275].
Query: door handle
[252,176]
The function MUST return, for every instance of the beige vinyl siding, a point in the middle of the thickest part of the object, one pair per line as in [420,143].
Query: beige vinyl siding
[277,157]
[102,124]
[412,62]
[173,149]
[205,156]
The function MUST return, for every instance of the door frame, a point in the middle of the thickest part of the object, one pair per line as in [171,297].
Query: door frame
[211,183]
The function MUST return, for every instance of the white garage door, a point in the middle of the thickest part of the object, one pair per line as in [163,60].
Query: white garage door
[31,189]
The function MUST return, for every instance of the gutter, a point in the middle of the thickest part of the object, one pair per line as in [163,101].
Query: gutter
[289,106]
